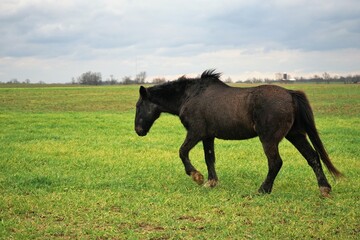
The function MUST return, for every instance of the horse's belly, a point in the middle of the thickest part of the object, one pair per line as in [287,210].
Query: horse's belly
[234,132]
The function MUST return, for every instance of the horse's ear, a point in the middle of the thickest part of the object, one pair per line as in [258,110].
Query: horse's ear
[143,92]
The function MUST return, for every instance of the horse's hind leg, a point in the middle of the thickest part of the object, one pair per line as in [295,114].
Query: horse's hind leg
[303,146]
[274,163]
[210,162]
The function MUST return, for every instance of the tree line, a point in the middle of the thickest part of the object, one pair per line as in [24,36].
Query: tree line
[95,78]
[324,78]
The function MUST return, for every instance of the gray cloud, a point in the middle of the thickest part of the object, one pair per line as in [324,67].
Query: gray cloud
[307,25]
[126,30]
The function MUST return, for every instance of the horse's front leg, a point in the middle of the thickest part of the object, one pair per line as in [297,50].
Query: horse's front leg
[190,170]
[210,162]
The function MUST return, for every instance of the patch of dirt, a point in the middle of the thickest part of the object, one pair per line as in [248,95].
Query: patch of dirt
[150,228]
[191,218]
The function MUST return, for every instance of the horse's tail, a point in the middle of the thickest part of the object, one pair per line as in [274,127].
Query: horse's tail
[305,118]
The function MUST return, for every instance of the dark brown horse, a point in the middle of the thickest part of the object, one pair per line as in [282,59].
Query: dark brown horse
[210,109]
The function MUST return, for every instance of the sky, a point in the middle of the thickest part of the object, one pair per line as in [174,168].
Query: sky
[55,41]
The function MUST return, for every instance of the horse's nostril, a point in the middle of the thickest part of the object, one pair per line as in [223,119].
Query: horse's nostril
[138,129]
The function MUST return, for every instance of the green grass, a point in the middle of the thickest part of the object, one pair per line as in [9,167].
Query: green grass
[72,167]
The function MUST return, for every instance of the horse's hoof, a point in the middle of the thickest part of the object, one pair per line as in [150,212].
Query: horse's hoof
[197,177]
[325,192]
[263,190]
[211,183]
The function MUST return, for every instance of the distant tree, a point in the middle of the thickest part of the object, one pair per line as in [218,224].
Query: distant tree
[158,80]
[326,77]
[268,80]
[257,80]
[356,79]
[111,81]
[13,81]
[90,78]
[254,80]
[248,80]
[317,78]
[127,80]
[140,77]
[279,76]
[228,80]
[73,80]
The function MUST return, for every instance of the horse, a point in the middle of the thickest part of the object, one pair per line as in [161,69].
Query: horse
[208,109]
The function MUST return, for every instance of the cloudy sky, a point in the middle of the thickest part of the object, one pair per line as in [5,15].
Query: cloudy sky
[53,41]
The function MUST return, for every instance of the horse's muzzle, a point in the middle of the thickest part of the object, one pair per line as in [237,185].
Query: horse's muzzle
[140,131]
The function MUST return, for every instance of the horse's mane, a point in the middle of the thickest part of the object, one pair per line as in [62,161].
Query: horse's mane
[192,86]
[210,74]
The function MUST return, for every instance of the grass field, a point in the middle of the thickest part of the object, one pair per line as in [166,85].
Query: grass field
[72,167]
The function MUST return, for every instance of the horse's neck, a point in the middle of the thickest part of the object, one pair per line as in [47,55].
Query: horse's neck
[171,106]
[170,99]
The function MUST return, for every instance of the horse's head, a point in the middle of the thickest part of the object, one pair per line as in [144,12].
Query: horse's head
[146,113]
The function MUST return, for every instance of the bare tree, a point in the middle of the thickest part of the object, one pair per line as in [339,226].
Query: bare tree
[127,80]
[326,77]
[112,80]
[14,81]
[158,80]
[228,80]
[140,77]
[90,78]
